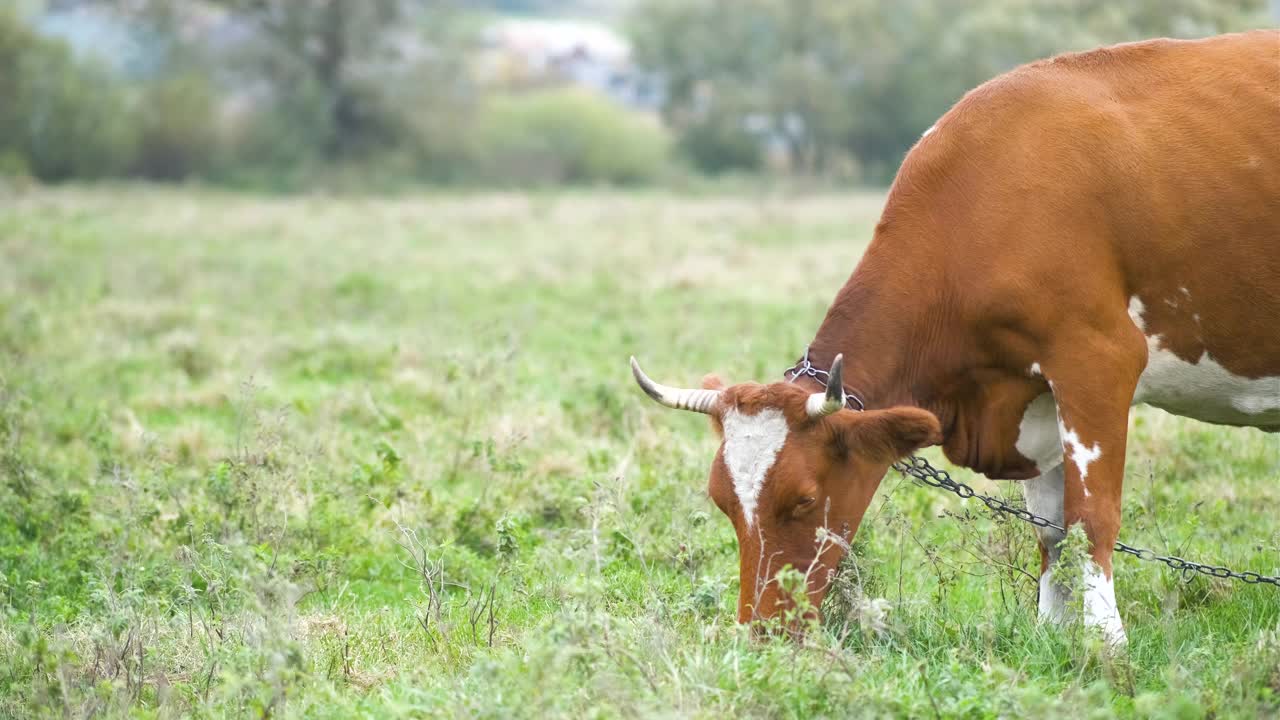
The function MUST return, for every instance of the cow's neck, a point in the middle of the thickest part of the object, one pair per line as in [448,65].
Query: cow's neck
[890,327]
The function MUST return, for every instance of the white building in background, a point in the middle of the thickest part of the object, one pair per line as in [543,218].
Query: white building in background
[590,55]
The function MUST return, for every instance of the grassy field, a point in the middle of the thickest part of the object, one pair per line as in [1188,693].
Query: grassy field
[318,457]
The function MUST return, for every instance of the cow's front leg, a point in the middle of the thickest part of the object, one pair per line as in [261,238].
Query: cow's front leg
[1093,414]
[1044,498]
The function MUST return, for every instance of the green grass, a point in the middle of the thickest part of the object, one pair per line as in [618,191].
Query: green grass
[223,418]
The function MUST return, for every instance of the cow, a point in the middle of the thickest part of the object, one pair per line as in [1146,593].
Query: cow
[1077,236]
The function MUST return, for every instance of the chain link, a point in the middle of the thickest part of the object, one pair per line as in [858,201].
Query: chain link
[919,469]
[804,367]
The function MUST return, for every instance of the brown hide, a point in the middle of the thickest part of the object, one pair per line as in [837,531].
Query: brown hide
[1045,200]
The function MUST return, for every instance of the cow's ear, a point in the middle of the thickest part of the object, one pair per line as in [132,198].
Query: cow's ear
[887,435]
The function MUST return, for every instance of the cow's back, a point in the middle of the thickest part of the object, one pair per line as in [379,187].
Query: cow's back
[1145,175]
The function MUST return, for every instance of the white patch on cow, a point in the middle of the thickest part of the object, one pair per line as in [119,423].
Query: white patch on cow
[1044,498]
[751,445]
[1034,370]
[1100,609]
[1203,390]
[1136,308]
[926,133]
[1081,455]
[1053,598]
[1038,438]
[1206,391]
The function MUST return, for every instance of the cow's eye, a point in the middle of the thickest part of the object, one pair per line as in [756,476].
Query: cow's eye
[804,504]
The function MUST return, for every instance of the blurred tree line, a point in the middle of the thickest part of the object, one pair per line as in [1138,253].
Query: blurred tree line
[845,88]
[281,94]
[291,93]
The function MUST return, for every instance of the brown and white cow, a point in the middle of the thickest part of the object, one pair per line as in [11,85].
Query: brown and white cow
[1074,237]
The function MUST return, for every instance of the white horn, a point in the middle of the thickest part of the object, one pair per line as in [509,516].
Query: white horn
[702,401]
[822,404]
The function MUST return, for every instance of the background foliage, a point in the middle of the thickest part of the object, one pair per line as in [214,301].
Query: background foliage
[303,93]
[852,84]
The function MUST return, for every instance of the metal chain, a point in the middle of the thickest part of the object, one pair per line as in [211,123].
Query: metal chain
[804,367]
[918,468]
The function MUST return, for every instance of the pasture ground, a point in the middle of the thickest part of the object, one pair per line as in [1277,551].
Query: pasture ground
[335,457]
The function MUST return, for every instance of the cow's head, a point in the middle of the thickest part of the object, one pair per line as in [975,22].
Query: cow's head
[790,463]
